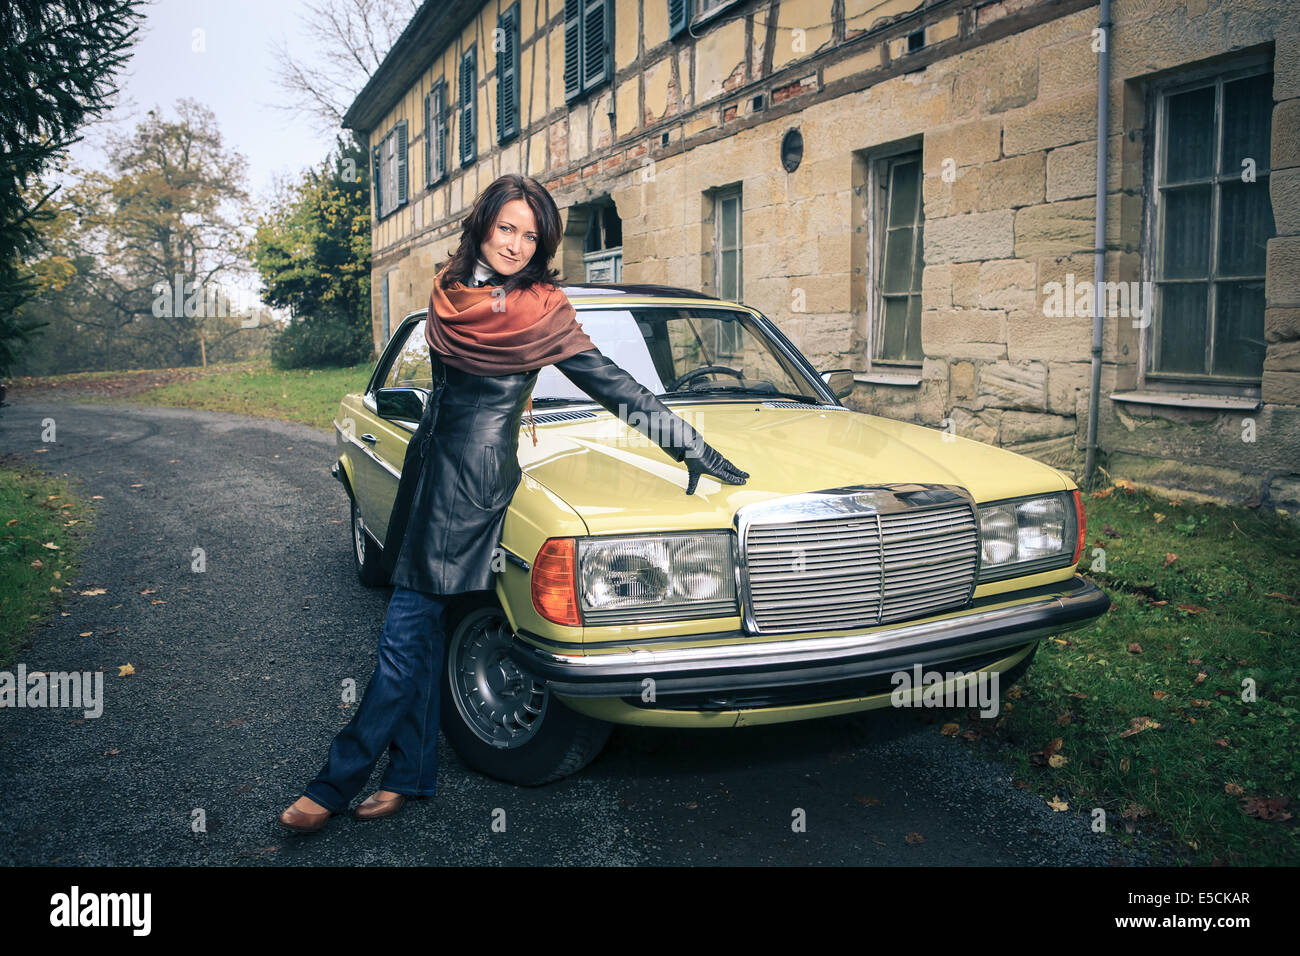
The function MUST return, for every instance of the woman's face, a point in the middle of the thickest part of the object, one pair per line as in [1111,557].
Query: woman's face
[513,241]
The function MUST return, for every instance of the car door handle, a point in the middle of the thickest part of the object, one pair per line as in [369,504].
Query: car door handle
[367,437]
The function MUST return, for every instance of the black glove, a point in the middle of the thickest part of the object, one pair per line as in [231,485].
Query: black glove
[701,458]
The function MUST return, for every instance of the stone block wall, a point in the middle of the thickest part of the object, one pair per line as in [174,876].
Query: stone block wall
[1001,101]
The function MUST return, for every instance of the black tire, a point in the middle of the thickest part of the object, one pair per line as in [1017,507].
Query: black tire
[1009,677]
[559,741]
[366,552]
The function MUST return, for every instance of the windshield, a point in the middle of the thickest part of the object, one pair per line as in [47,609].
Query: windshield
[679,351]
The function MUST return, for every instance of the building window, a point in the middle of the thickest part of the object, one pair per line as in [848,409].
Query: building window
[1212,221]
[508,75]
[468,108]
[435,133]
[588,45]
[389,171]
[896,258]
[602,247]
[728,244]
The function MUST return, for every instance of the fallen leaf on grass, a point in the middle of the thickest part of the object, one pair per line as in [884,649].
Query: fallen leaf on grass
[1103,493]
[1160,694]
[1284,597]
[1109,532]
[85,634]
[1266,808]
[950,730]
[1135,648]
[1056,761]
[1064,719]
[1192,608]
[1057,804]
[1233,789]
[1200,678]
[1079,695]
[124,669]
[1137,725]
[1170,558]
[93,591]
[1158,516]
[914,838]
[1126,485]
[1221,742]
[1124,764]
[51,545]
[1052,746]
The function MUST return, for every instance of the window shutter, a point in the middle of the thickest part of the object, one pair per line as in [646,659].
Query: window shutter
[377,182]
[401,163]
[595,48]
[508,77]
[440,129]
[678,17]
[467,104]
[428,138]
[572,48]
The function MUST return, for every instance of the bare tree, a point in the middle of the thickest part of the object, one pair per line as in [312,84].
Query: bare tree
[347,39]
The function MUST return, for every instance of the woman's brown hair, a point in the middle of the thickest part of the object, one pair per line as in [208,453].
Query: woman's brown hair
[477,226]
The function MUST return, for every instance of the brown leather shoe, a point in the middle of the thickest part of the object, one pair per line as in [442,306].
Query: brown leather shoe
[303,821]
[372,809]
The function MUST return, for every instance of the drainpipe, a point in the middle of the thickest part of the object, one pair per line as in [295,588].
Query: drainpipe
[1099,250]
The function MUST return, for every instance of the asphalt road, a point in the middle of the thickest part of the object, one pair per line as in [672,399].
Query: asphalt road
[235,698]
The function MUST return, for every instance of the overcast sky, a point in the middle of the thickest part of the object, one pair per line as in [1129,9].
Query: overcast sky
[234,77]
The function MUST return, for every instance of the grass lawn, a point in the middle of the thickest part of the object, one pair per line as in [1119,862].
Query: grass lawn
[45,528]
[310,396]
[1176,713]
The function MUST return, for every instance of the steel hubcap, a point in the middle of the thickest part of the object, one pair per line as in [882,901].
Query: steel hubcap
[358,529]
[502,704]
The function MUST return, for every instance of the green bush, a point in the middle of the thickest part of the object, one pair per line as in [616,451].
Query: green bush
[326,340]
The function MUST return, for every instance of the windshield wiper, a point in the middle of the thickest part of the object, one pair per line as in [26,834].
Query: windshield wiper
[741,390]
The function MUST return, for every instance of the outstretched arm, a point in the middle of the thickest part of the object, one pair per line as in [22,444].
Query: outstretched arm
[623,396]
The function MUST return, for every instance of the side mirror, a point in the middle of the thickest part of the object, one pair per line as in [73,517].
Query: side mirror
[839,381]
[402,404]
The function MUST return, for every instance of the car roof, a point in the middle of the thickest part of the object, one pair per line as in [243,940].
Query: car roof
[601,288]
[628,290]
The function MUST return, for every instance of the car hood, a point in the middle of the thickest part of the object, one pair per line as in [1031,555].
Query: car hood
[617,480]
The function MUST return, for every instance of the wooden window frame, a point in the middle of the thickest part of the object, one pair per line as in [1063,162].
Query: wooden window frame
[1158,94]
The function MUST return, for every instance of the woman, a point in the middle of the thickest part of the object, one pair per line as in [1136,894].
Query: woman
[495,318]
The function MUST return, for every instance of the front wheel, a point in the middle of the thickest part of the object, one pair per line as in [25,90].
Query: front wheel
[365,552]
[502,721]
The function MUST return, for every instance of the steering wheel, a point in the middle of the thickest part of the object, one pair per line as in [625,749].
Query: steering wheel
[702,370]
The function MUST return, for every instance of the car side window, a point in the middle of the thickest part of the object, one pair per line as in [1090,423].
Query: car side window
[411,367]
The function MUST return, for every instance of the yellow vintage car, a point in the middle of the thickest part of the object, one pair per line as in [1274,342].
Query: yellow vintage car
[861,551]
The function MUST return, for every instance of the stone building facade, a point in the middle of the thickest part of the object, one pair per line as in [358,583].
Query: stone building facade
[908,189]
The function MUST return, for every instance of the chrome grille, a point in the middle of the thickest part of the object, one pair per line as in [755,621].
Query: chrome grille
[855,569]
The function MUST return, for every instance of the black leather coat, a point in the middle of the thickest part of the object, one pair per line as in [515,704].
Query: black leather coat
[462,467]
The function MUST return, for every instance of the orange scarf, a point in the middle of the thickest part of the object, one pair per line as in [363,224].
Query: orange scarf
[481,331]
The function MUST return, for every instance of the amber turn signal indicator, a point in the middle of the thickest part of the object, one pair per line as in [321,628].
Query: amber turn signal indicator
[555,582]
[1083,526]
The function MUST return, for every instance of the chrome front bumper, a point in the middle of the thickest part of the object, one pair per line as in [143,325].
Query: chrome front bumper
[992,624]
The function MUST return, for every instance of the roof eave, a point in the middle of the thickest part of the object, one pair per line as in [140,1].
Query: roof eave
[434,25]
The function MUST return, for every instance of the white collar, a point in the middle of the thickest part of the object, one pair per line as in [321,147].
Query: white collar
[481,271]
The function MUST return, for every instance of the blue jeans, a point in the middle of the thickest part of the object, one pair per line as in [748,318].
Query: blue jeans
[399,710]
